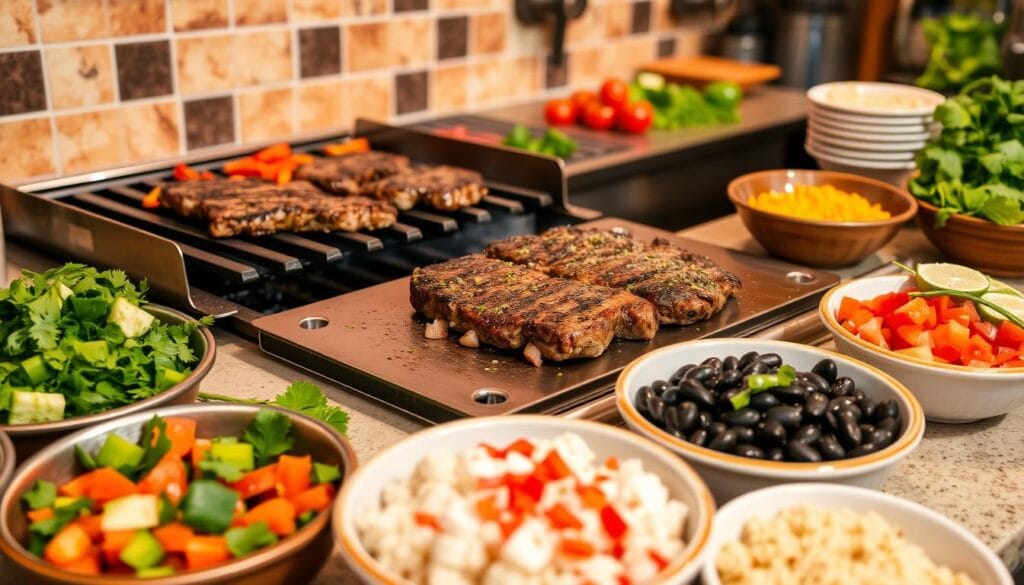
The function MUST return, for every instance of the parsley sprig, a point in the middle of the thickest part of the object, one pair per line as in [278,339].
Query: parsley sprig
[304,397]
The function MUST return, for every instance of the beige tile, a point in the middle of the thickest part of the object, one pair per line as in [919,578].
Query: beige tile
[366,46]
[363,7]
[80,76]
[205,63]
[585,68]
[661,18]
[458,4]
[312,10]
[524,40]
[449,88]
[367,98]
[17,23]
[266,114]
[263,57]
[71,20]
[249,12]
[391,43]
[320,106]
[136,17]
[585,28]
[689,43]
[500,79]
[26,149]
[151,131]
[617,19]
[199,14]
[91,140]
[621,59]
[488,33]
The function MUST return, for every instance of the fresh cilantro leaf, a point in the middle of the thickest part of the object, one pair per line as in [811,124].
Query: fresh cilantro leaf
[301,396]
[243,541]
[61,517]
[40,495]
[304,397]
[229,472]
[306,517]
[335,417]
[155,445]
[269,434]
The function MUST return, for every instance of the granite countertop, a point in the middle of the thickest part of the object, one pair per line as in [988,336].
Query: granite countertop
[971,473]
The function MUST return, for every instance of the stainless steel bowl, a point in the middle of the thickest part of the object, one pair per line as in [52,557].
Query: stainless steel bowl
[30,438]
[7,461]
[296,559]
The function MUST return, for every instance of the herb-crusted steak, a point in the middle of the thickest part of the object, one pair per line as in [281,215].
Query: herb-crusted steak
[346,174]
[509,307]
[684,287]
[442,187]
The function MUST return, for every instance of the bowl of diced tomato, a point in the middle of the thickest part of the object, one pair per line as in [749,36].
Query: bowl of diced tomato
[191,494]
[961,367]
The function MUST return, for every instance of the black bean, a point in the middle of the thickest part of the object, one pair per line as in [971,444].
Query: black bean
[659,386]
[808,434]
[730,363]
[867,407]
[745,434]
[746,450]
[771,433]
[754,367]
[700,373]
[827,369]
[671,421]
[713,362]
[830,448]
[841,387]
[787,416]
[771,360]
[802,452]
[837,404]
[887,409]
[791,393]
[763,401]
[815,404]
[724,400]
[863,449]
[694,391]
[678,375]
[687,419]
[723,441]
[775,454]
[728,379]
[643,396]
[747,359]
[672,396]
[815,380]
[855,410]
[857,394]
[849,432]
[656,406]
[717,428]
[866,429]
[744,417]
[889,424]
[880,437]
[699,437]
[831,420]
[704,419]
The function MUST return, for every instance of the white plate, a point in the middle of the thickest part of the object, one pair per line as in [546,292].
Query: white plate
[861,132]
[871,156]
[852,164]
[865,98]
[827,138]
[843,117]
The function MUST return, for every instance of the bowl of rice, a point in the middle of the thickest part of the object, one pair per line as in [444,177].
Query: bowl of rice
[843,535]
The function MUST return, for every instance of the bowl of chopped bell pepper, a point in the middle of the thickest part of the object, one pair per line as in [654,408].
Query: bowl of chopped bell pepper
[192,494]
[820,218]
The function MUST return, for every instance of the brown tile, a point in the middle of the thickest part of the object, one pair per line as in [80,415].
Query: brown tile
[452,37]
[411,92]
[312,10]
[641,16]
[144,69]
[499,79]
[488,35]
[151,131]
[209,122]
[266,114]
[666,47]
[17,23]
[91,140]
[263,57]
[22,89]
[410,5]
[556,76]
[136,17]
[448,88]
[249,12]
[71,20]
[199,14]
[363,7]
[80,76]
[204,63]
[320,106]
[367,98]
[26,149]
[388,44]
[319,51]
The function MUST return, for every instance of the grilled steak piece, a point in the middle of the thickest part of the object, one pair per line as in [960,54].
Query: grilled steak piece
[441,187]
[256,208]
[510,306]
[684,287]
[346,174]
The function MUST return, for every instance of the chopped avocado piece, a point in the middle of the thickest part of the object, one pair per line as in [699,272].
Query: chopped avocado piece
[36,370]
[35,407]
[208,506]
[166,377]
[237,454]
[135,512]
[93,352]
[119,453]
[154,572]
[143,551]
[132,320]
[323,473]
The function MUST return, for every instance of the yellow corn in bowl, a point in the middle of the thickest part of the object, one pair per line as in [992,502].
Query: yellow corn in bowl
[820,202]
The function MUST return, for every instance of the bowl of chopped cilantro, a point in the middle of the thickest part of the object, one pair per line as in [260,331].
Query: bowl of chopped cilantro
[82,346]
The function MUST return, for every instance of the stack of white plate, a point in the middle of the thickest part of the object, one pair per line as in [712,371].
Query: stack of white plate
[871,129]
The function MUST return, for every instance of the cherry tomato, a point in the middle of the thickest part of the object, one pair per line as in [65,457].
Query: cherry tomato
[614,93]
[635,117]
[560,112]
[581,98]
[598,116]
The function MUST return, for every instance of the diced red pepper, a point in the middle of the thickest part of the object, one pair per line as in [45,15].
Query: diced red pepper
[521,446]
[553,467]
[977,350]
[592,497]
[1009,334]
[847,308]
[428,520]
[985,329]
[562,518]
[914,336]
[1005,354]
[871,331]
[493,451]
[915,309]
[487,509]
[613,524]
[660,561]
[576,547]
[612,463]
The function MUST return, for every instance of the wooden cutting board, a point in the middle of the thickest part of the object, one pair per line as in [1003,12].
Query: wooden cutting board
[700,70]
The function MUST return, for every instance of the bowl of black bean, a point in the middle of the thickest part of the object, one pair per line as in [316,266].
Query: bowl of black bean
[750,413]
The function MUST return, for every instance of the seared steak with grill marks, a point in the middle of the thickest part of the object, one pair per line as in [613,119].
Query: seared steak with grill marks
[441,187]
[509,307]
[684,287]
[346,174]
[186,197]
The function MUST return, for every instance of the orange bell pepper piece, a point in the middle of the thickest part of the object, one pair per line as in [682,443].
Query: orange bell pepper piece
[348,147]
[167,477]
[113,543]
[278,513]
[152,199]
[274,153]
[205,551]
[183,172]
[302,158]
[293,474]
[173,537]
[207,176]
[200,447]
[181,432]
[256,481]
[70,544]
[92,526]
[284,176]
[40,514]
[317,498]
[108,484]
[87,565]
[247,167]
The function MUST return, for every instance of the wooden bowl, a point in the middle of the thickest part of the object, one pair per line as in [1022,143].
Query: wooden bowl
[975,242]
[824,244]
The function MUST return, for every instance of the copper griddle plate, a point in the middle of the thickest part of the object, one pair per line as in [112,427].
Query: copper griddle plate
[374,343]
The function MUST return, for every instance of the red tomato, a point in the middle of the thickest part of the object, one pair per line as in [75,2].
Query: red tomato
[560,112]
[636,117]
[597,116]
[1010,334]
[582,99]
[614,93]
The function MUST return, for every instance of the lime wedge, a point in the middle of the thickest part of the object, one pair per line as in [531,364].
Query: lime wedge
[951,277]
[996,286]
[1008,302]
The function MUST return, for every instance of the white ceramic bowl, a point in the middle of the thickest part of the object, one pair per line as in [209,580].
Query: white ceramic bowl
[731,475]
[944,541]
[828,138]
[895,177]
[917,129]
[859,155]
[856,163]
[864,97]
[362,491]
[947,393]
[907,123]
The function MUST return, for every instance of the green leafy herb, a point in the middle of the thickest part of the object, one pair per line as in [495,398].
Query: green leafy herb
[155,443]
[243,541]
[84,458]
[61,517]
[760,382]
[963,47]
[40,495]
[679,106]
[269,434]
[553,143]
[304,397]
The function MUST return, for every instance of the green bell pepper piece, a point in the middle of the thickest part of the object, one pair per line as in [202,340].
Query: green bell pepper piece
[119,453]
[208,506]
[143,551]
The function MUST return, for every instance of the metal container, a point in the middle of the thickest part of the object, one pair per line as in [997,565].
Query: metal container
[814,42]
[7,461]
[296,559]
[30,438]
[1013,43]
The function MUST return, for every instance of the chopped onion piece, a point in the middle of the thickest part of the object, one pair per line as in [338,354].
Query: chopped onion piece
[470,339]
[437,329]
[532,354]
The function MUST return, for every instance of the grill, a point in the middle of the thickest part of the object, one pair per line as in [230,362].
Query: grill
[337,303]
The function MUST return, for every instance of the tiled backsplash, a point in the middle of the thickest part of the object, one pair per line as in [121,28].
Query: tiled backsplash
[93,84]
